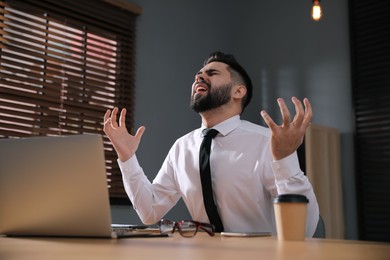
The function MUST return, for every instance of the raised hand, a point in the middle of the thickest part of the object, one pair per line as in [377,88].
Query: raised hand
[124,143]
[286,138]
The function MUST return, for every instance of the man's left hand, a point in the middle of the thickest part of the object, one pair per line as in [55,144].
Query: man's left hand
[286,138]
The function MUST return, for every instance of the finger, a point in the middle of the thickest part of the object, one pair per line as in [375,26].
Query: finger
[140,132]
[284,111]
[106,118]
[308,113]
[114,124]
[298,110]
[106,122]
[268,120]
[122,118]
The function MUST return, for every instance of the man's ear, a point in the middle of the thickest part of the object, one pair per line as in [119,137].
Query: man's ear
[239,91]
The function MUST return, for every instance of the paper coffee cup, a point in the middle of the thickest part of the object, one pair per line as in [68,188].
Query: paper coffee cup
[290,216]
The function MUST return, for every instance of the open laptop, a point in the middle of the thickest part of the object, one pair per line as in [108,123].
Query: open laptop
[54,186]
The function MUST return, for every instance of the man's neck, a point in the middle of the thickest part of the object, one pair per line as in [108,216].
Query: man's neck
[215,116]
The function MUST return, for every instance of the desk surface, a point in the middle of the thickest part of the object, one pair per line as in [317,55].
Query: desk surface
[200,247]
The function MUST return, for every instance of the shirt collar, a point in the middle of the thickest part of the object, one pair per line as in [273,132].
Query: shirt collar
[225,127]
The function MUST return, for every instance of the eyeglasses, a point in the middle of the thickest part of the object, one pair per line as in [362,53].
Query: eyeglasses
[186,228]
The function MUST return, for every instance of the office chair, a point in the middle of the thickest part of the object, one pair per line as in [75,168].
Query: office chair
[320,230]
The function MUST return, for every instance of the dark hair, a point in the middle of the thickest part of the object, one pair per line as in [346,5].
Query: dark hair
[234,65]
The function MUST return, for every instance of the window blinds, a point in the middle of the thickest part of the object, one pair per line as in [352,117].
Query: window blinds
[63,64]
[370,38]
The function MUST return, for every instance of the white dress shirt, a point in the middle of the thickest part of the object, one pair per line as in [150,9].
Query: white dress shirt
[245,179]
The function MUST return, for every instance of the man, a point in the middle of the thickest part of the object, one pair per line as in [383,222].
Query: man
[250,164]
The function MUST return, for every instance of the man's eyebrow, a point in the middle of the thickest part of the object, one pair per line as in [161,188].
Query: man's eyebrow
[208,71]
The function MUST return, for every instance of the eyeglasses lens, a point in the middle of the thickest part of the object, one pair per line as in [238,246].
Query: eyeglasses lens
[187,228]
[166,226]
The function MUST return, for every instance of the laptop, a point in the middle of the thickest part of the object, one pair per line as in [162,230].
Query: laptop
[55,186]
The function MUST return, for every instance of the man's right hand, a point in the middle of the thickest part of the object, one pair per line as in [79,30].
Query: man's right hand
[124,143]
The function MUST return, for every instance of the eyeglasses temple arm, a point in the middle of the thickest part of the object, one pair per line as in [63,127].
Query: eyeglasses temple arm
[208,228]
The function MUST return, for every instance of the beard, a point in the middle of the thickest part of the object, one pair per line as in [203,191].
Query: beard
[216,97]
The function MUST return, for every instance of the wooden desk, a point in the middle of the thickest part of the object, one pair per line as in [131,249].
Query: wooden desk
[199,247]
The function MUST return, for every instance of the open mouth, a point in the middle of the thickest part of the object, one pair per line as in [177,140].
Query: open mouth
[201,87]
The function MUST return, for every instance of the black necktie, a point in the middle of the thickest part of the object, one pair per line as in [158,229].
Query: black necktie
[205,176]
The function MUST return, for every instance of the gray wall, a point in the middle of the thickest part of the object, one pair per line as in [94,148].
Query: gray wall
[284,51]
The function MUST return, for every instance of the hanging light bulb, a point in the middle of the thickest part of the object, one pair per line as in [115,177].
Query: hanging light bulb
[316,10]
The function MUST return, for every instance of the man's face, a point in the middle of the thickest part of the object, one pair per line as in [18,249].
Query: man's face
[212,87]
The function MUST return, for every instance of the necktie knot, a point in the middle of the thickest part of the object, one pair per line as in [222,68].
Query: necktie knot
[209,132]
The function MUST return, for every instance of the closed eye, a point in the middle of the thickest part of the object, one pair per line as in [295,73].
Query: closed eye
[211,72]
